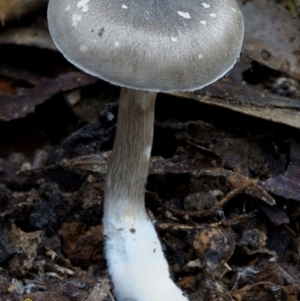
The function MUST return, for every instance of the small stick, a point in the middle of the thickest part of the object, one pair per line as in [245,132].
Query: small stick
[182,227]
[250,287]
[111,296]
[204,213]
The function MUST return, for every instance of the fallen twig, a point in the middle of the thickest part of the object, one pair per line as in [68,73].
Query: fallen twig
[203,213]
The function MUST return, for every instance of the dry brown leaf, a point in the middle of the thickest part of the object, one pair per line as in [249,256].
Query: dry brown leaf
[26,245]
[14,9]
[20,105]
[272,36]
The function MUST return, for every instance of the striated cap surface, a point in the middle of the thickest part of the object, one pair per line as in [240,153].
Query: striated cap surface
[155,45]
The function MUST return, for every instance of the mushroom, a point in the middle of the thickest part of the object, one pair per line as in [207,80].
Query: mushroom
[144,46]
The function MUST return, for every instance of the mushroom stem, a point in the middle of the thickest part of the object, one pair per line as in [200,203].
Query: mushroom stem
[135,260]
[129,163]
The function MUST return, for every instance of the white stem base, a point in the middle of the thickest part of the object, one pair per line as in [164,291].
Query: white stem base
[136,263]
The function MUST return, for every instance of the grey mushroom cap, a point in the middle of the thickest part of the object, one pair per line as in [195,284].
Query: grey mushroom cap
[154,45]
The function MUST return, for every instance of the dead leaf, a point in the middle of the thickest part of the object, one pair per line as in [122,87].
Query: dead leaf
[272,36]
[26,245]
[20,105]
[14,9]
[29,36]
[286,185]
[250,101]
[80,243]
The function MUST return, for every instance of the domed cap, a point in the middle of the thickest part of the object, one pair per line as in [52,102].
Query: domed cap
[150,45]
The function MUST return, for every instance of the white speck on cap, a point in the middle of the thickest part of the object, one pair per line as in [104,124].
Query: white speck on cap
[124,6]
[153,45]
[185,15]
[205,5]
[83,48]
[68,8]
[75,19]
[83,5]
